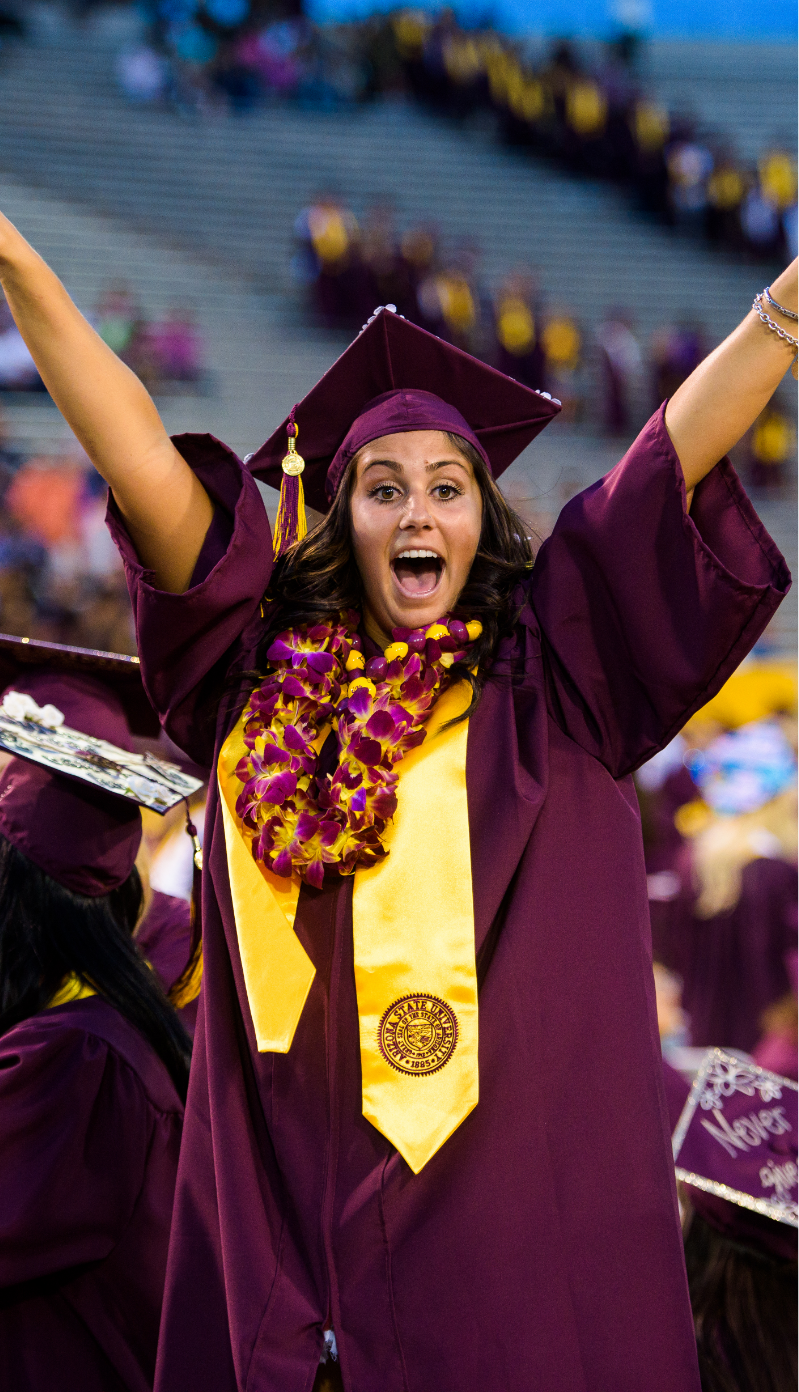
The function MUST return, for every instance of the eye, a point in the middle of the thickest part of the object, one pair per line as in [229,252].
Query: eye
[446,491]
[384,492]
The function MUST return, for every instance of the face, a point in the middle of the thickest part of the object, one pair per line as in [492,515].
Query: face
[416,512]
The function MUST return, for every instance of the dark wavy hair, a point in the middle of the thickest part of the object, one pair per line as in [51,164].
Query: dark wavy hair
[319,577]
[48,932]
[744,1307]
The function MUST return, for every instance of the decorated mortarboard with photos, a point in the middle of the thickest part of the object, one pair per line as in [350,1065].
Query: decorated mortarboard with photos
[737,1136]
[40,735]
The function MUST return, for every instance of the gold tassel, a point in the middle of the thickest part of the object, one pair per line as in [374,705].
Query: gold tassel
[291,525]
[187,987]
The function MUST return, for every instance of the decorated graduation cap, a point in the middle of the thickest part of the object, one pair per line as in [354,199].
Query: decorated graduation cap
[744,769]
[735,1144]
[118,672]
[395,377]
[70,798]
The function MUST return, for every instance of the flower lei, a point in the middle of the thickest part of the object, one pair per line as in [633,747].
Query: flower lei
[303,820]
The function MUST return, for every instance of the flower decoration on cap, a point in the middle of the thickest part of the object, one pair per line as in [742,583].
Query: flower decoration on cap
[302,820]
[18,705]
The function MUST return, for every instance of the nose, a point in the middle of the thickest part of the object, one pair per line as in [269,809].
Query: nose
[416,512]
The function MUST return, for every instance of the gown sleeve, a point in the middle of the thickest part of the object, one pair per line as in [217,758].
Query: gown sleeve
[76,1127]
[187,642]
[644,609]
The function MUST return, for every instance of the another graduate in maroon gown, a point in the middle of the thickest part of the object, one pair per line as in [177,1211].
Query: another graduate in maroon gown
[459,1207]
[778,1046]
[93,1075]
[734,923]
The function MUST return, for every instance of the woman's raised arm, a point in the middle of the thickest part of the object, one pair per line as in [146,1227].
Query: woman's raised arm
[164,505]
[725,394]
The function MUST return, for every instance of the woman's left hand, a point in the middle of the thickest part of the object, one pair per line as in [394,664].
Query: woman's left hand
[725,394]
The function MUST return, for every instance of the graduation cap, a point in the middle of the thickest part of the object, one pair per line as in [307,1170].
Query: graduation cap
[70,798]
[118,672]
[394,377]
[743,769]
[735,1145]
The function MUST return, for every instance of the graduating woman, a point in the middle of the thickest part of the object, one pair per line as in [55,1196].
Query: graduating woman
[93,1070]
[421,818]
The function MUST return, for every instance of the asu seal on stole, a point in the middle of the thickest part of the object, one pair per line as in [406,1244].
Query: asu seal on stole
[418,1034]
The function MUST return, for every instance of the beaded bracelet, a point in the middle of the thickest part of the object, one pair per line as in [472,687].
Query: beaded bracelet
[757,305]
[789,314]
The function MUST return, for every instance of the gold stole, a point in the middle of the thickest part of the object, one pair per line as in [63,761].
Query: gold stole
[413,929]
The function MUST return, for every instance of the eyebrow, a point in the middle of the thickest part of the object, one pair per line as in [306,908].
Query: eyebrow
[429,469]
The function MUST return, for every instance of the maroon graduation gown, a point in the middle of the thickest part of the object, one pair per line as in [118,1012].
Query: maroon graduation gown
[733,965]
[90,1128]
[540,1247]
[164,938]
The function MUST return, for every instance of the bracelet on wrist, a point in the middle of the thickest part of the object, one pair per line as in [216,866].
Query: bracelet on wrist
[777,329]
[789,314]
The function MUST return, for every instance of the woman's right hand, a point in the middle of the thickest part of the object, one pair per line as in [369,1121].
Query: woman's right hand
[165,507]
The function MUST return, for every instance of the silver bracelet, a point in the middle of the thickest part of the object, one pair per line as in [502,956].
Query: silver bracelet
[757,305]
[789,314]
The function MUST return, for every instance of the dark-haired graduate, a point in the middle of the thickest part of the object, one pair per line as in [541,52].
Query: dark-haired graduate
[93,1068]
[422,823]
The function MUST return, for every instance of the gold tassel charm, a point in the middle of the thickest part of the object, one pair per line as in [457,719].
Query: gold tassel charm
[291,525]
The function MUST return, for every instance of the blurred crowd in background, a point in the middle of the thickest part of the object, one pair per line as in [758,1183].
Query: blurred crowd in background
[60,575]
[166,354]
[720,833]
[593,117]
[61,578]
[597,119]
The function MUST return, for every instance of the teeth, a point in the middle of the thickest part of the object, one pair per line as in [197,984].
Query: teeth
[417,556]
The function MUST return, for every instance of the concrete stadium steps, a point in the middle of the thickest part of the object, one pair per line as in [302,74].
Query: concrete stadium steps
[256,368]
[230,188]
[745,92]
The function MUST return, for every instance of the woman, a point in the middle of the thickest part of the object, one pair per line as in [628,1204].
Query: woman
[735,921]
[528,1238]
[93,1076]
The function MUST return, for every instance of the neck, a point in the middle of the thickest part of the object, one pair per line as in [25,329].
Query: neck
[374,631]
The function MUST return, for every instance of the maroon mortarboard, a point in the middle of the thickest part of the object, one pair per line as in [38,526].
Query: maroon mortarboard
[735,1145]
[393,378]
[70,798]
[118,672]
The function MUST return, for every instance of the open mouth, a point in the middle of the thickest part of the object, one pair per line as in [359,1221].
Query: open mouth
[417,572]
